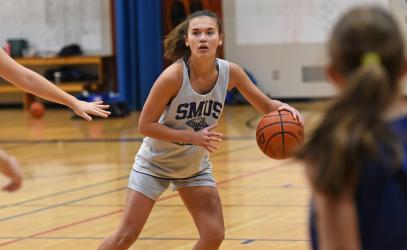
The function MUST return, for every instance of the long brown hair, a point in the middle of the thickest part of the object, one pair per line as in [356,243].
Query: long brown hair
[174,43]
[366,49]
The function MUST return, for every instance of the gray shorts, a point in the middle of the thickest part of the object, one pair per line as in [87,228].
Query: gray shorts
[153,187]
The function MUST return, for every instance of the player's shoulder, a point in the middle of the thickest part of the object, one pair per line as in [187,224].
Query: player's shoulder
[174,72]
[223,61]
[235,70]
[233,66]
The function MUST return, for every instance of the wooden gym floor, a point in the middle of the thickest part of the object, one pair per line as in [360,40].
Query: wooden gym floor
[75,181]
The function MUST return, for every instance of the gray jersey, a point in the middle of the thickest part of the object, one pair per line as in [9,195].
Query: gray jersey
[189,110]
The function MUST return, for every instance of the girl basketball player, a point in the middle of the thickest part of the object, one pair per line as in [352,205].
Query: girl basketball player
[355,159]
[32,82]
[179,119]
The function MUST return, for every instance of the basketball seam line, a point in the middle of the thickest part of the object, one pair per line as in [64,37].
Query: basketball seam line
[282,131]
[281,122]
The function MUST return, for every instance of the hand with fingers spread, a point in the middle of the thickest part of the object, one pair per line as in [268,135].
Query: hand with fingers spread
[10,168]
[293,111]
[85,109]
[206,137]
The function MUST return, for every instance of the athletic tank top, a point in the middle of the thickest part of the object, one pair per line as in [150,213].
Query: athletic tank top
[189,110]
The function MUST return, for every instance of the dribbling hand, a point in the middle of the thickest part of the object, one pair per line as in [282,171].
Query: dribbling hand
[296,114]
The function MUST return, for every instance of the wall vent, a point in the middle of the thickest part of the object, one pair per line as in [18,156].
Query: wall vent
[313,74]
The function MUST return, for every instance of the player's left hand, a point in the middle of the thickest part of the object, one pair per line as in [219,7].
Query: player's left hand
[296,113]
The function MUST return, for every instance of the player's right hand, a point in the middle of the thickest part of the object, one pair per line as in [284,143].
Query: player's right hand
[206,138]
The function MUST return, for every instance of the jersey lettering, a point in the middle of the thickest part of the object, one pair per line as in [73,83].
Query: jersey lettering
[202,108]
[182,111]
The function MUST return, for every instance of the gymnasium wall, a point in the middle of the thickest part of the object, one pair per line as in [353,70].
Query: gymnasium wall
[282,42]
[49,25]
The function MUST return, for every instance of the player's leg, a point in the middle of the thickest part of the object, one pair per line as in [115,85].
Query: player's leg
[144,191]
[203,202]
[136,212]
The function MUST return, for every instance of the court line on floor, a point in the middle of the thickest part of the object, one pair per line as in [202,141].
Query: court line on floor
[80,172]
[90,196]
[43,208]
[104,140]
[98,183]
[102,170]
[121,210]
[85,140]
[65,191]
[157,239]
[171,206]
[61,204]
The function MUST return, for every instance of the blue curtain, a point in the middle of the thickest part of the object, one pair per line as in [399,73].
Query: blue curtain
[138,48]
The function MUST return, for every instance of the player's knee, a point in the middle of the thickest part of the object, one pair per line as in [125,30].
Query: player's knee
[219,237]
[126,239]
[215,236]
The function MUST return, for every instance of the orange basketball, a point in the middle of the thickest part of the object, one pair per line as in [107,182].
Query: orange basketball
[278,134]
[37,109]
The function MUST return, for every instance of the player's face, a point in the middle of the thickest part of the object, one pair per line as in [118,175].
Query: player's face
[203,36]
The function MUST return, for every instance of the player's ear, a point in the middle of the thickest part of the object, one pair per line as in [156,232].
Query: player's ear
[220,39]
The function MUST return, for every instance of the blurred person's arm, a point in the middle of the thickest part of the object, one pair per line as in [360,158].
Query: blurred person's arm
[11,169]
[336,222]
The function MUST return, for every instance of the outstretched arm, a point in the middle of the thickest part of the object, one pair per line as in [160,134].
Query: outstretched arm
[240,80]
[34,83]
[11,169]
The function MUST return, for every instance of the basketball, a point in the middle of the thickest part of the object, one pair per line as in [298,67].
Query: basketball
[37,109]
[278,134]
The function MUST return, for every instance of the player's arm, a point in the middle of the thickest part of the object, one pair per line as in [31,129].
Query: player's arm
[337,222]
[163,91]
[34,83]
[240,80]
[9,167]
[336,218]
